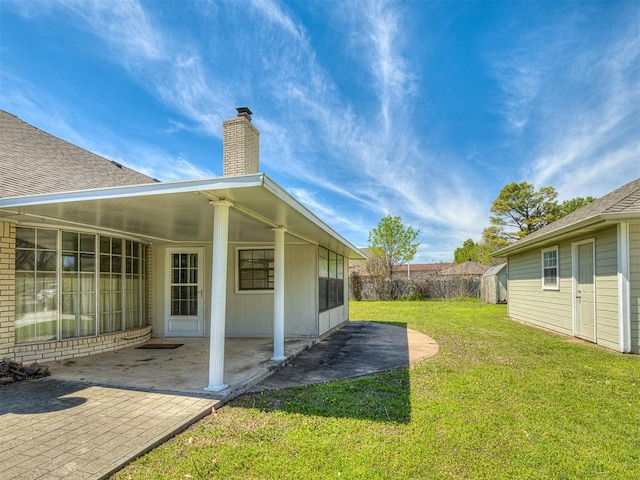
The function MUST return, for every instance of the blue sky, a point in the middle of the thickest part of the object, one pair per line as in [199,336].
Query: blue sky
[418,109]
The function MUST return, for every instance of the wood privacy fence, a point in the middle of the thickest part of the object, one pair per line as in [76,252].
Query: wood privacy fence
[432,286]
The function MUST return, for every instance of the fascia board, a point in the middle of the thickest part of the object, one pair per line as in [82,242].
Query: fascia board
[146,189]
[602,218]
[282,195]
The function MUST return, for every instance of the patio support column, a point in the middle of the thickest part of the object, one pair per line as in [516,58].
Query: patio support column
[278,295]
[218,295]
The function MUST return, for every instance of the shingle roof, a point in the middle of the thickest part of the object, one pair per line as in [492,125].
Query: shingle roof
[625,199]
[34,162]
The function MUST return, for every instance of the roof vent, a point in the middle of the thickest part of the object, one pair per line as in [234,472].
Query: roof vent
[119,165]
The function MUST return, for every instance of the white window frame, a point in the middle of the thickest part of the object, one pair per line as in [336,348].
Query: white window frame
[238,291]
[557,267]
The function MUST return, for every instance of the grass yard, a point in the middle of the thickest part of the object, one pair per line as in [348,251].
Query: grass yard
[500,401]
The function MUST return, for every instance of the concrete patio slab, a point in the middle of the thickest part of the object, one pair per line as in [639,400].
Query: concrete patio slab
[95,414]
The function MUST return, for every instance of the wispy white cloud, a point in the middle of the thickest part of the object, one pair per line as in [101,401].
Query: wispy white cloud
[570,101]
[44,112]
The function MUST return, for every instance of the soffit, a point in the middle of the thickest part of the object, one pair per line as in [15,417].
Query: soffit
[180,215]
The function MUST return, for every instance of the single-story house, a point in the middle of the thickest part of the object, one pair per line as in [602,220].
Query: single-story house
[580,275]
[95,256]
[493,284]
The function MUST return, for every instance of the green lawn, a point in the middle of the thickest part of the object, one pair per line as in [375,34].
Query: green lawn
[500,400]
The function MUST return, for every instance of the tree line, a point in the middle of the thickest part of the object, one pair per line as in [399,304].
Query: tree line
[518,210]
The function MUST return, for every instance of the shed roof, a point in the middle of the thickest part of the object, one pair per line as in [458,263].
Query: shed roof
[621,203]
[495,270]
[33,162]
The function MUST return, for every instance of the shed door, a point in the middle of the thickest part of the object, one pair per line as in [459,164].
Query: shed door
[585,292]
[184,311]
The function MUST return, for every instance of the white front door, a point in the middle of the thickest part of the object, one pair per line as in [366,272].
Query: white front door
[585,292]
[184,310]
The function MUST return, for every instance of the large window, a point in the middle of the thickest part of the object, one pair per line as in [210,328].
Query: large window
[72,284]
[330,279]
[255,269]
[78,286]
[36,285]
[111,283]
[550,273]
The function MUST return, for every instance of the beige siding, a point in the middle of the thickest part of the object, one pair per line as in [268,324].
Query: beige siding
[634,284]
[528,302]
[301,297]
[248,314]
[158,285]
[606,252]
[251,314]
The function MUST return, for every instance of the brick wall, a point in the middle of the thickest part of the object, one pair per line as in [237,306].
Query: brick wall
[240,147]
[7,289]
[80,347]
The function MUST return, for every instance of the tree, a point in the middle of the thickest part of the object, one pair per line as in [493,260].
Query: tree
[569,206]
[465,252]
[521,209]
[494,238]
[393,243]
[476,252]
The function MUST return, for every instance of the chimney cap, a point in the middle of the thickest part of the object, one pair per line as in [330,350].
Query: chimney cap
[244,112]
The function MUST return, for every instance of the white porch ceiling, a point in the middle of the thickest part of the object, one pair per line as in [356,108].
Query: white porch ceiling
[181,212]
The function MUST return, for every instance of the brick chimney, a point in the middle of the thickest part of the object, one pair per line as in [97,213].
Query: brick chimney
[240,145]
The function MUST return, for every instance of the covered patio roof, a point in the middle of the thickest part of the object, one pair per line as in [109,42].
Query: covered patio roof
[178,212]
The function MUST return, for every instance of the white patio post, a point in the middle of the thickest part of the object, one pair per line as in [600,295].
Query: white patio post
[218,295]
[278,295]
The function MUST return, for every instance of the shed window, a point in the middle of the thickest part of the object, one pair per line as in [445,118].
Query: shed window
[255,269]
[550,269]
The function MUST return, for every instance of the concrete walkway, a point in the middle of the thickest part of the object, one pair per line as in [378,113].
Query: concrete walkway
[62,427]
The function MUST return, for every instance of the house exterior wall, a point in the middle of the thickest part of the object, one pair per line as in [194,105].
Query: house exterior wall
[53,350]
[634,284]
[158,284]
[554,309]
[330,319]
[606,261]
[250,314]
[7,289]
[528,302]
[301,287]
[81,347]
